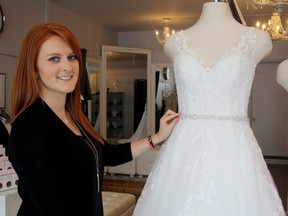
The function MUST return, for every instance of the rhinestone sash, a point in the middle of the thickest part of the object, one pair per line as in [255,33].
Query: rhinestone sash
[214,117]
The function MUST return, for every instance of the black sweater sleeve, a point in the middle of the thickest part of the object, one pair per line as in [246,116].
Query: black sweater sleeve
[4,135]
[116,154]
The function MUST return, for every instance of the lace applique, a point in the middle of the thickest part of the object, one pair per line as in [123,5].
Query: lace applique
[246,45]
[205,191]
[264,184]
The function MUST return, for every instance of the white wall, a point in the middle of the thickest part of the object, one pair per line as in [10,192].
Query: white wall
[269,111]
[22,15]
[145,40]
[90,35]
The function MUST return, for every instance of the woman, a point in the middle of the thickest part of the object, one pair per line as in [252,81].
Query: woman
[58,156]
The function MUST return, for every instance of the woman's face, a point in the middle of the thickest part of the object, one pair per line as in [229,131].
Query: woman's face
[58,68]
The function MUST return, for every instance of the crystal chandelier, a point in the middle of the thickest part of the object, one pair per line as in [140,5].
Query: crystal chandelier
[274,28]
[274,25]
[112,54]
[279,5]
[166,32]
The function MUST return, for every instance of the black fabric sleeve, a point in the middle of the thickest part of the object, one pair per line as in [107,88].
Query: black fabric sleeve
[116,154]
[4,135]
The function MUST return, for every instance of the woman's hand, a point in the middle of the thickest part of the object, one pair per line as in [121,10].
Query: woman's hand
[167,123]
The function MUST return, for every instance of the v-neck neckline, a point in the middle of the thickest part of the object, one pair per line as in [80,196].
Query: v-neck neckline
[221,57]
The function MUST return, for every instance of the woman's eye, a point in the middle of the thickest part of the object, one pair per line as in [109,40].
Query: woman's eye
[72,57]
[54,59]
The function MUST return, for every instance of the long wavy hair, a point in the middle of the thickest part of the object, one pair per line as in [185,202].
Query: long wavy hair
[26,89]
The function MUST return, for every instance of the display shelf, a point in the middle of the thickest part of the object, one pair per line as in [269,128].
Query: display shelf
[115,115]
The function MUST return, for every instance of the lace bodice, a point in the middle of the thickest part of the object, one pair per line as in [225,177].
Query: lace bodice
[222,89]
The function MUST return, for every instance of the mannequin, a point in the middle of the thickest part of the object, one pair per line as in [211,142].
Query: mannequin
[211,164]
[217,23]
[282,74]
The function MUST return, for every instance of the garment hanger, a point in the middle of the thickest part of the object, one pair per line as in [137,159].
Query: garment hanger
[235,10]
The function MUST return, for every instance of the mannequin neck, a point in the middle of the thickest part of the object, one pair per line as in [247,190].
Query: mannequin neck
[215,12]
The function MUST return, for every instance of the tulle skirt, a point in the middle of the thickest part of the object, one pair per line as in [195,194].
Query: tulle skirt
[210,168]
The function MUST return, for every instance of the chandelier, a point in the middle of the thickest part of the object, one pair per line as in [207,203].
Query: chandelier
[161,37]
[274,28]
[112,54]
[279,5]
[274,25]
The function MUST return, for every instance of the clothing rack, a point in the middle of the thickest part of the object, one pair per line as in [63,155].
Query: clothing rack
[169,100]
[4,116]
[168,93]
[236,12]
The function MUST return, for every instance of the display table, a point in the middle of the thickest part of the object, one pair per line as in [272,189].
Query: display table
[9,202]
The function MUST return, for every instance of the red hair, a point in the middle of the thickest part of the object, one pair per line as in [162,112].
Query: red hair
[26,89]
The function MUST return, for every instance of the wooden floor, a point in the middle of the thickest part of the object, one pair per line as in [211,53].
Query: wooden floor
[279,173]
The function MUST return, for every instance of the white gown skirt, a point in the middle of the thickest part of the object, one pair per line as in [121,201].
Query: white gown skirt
[210,168]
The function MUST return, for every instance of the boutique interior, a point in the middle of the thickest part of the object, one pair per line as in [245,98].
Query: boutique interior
[130,82]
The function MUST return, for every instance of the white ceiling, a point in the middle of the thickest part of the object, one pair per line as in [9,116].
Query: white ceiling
[142,15]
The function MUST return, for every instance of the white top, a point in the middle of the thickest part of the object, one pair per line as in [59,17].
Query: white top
[215,32]
[282,74]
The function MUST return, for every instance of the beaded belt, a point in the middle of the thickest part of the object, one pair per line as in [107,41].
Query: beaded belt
[215,117]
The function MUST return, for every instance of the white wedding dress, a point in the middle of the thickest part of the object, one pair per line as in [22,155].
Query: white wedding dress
[211,165]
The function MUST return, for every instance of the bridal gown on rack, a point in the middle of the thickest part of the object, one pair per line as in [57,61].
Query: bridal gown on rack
[211,165]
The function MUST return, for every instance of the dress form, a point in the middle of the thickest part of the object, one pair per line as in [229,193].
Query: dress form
[217,31]
[282,74]
[212,154]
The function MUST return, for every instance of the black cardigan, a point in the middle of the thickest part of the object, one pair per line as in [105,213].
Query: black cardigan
[56,168]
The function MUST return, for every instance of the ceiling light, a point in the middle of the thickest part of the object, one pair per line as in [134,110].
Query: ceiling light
[162,36]
[279,5]
[274,25]
[274,28]
[112,54]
